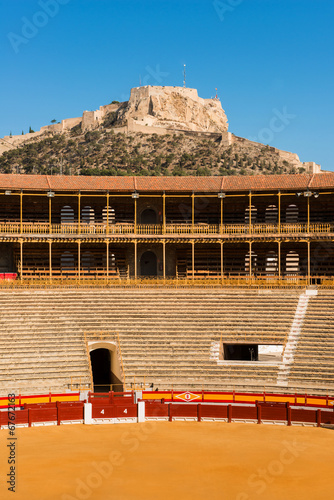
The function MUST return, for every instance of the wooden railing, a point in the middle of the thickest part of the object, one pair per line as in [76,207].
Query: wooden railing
[43,228]
[236,282]
[42,272]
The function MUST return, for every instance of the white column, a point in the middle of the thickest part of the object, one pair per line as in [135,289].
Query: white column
[141,411]
[88,413]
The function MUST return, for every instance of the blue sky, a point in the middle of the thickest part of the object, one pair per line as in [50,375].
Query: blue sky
[272,61]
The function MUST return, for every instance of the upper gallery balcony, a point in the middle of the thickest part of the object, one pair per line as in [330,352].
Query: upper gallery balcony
[185,229]
[226,208]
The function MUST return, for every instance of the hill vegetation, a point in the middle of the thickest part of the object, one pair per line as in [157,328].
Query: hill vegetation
[103,151]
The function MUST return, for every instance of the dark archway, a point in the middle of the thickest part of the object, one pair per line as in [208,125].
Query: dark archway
[241,352]
[292,214]
[148,264]
[67,215]
[148,216]
[101,369]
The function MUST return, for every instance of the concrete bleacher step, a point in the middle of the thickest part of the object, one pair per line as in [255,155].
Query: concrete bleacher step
[163,334]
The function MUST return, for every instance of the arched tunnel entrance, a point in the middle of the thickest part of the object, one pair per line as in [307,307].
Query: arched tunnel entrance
[105,370]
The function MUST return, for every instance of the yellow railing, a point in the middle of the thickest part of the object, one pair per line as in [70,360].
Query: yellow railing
[231,282]
[91,229]
[89,363]
[321,228]
[192,229]
[158,229]
[120,357]
[149,229]
[77,384]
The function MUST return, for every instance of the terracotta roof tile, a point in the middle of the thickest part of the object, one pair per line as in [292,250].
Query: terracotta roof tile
[90,183]
[169,184]
[266,182]
[207,184]
[322,181]
[65,183]
[16,181]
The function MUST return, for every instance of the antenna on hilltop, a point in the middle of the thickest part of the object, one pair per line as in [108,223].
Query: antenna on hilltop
[184,76]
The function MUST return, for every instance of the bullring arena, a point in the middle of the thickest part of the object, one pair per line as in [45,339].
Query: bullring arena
[191,312]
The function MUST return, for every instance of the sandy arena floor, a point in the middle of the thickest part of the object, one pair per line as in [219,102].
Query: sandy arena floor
[171,461]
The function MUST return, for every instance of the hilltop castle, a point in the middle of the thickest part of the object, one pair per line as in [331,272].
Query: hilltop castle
[157,110]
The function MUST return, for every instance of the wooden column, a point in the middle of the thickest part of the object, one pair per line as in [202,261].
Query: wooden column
[21,212]
[222,260]
[50,218]
[279,259]
[135,259]
[250,212]
[193,259]
[308,214]
[192,212]
[221,215]
[107,228]
[79,212]
[279,212]
[21,260]
[135,215]
[164,213]
[308,262]
[107,245]
[164,259]
[79,260]
[250,259]
[50,260]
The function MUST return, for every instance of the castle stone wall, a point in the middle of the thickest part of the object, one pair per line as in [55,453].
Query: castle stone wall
[160,110]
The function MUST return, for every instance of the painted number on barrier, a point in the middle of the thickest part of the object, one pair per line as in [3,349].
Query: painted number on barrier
[102,411]
[125,411]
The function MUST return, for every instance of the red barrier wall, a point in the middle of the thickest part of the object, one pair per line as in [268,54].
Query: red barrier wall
[117,398]
[180,410]
[40,399]
[156,410]
[42,415]
[66,413]
[107,408]
[327,417]
[21,417]
[239,397]
[244,412]
[214,411]
[273,413]
[301,415]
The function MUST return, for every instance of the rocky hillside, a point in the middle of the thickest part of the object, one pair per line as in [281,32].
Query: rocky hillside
[105,152]
[159,131]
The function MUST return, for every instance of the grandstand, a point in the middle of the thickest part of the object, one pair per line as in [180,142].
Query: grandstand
[217,283]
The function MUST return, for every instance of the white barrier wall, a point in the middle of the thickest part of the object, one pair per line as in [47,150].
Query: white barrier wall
[88,413]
